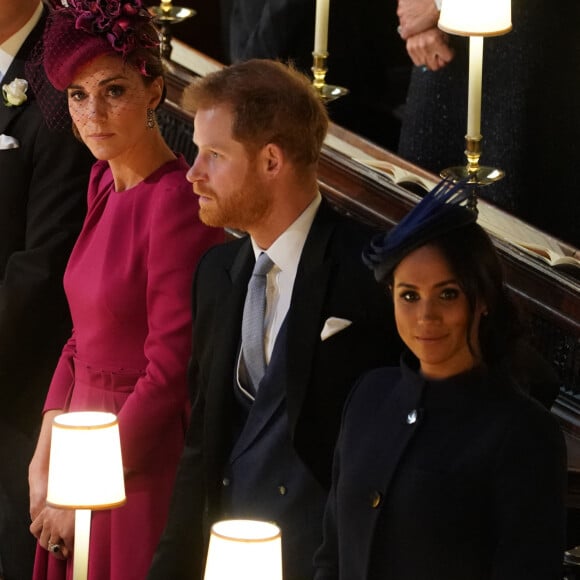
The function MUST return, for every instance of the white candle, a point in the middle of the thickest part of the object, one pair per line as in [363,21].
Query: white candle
[474,97]
[321,26]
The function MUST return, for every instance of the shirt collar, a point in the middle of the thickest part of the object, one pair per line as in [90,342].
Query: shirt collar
[10,47]
[285,252]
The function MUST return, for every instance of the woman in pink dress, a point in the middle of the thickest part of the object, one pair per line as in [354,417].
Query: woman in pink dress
[127,282]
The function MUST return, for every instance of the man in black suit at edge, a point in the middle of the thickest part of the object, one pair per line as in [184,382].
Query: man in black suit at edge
[264,451]
[43,176]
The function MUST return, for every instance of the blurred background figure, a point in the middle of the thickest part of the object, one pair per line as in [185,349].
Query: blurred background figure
[128,284]
[365,54]
[44,174]
[530,113]
[531,86]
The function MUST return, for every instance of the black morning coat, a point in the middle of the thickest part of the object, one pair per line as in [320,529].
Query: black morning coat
[331,281]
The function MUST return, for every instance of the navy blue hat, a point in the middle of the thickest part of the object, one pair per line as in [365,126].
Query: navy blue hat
[443,209]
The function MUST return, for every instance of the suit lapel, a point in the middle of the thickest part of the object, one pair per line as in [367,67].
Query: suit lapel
[17,70]
[7,114]
[400,417]
[307,304]
[227,325]
[228,318]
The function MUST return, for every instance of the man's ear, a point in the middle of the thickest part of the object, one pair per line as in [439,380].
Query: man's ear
[272,159]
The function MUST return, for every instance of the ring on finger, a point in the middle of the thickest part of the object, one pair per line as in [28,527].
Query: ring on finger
[54,548]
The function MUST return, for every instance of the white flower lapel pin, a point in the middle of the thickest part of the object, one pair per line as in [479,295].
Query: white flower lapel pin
[14,93]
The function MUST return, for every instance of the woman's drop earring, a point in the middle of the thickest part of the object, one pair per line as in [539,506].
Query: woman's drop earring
[151,119]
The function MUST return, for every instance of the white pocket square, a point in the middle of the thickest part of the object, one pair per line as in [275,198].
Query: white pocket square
[7,142]
[334,325]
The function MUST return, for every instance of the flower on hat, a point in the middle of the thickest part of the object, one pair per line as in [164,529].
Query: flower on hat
[14,93]
[118,21]
[90,28]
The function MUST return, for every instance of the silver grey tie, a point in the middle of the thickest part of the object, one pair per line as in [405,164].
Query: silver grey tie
[253,321]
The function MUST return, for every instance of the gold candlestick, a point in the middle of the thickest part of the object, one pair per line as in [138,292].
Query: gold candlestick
[319,69]
[473,172]
[165,15]
[475,19]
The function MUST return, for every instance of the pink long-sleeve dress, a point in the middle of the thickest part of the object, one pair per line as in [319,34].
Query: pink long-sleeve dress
[128,286]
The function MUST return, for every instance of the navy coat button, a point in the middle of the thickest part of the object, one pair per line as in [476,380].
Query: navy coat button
[282,490]
[376,499]
[412,417]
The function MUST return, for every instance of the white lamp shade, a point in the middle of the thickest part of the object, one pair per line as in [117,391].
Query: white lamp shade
[244,550]
[86,468]
[476,17]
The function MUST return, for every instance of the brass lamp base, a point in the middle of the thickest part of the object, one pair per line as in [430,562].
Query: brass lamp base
[165,16]
[480,176]
[172,15]
[473,173]
[319,69]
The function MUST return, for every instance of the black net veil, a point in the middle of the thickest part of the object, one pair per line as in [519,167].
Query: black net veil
[77,32]
[52,103]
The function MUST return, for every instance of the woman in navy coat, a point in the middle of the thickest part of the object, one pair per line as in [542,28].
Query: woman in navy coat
[444,468]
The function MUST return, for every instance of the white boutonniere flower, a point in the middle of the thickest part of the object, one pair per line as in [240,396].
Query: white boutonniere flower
[14,93]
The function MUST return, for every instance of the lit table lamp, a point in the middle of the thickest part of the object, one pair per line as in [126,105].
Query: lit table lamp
[476,19]
[165,15]
[85,473]
[320,55]
[244,550]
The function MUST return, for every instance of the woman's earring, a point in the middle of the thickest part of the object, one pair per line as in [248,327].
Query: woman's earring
[151,119]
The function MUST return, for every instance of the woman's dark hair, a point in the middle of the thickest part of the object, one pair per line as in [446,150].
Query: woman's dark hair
[472,258]
[147,60]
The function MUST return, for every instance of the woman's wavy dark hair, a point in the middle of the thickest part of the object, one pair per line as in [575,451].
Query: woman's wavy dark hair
[472,258]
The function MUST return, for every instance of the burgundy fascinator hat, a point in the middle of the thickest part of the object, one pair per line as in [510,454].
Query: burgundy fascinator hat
[447,207]
[82,30]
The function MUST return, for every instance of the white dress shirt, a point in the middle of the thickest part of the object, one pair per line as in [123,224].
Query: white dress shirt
[285,252]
